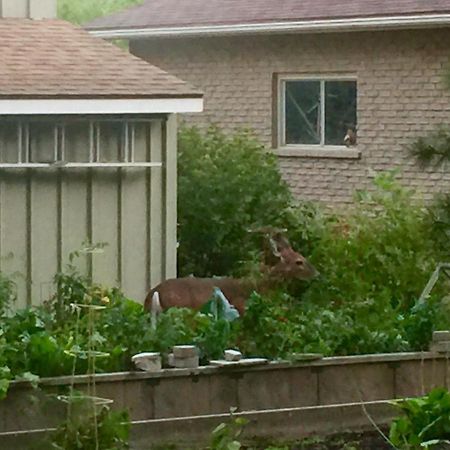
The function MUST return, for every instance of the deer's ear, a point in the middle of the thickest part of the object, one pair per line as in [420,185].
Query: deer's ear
[279,244]
[274,247]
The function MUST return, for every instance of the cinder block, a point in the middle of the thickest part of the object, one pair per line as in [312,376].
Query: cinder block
[184,363]
[439,336]
[440,347]
[232,355]
[185,351]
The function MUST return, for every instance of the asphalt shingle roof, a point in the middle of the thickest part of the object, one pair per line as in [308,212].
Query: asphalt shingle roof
[187,13]
[54,59]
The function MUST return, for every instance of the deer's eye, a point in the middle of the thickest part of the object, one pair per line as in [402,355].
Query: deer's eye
[299,262]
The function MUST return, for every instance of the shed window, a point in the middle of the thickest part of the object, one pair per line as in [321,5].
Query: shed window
[76,143]
[317,112]
[42,145]
[9,151]
[112,142]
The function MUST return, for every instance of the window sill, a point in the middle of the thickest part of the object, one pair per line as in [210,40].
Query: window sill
[318,152]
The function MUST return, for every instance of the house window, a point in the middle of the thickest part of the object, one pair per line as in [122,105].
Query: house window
[317,111]
[76,143]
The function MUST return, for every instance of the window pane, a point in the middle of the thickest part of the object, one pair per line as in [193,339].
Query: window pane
[340,110]
[42,143]
[141,141]
[111,142]
[9,151]
[77,142]
[302,113]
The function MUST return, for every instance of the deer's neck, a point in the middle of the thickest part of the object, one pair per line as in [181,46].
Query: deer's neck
[260,285]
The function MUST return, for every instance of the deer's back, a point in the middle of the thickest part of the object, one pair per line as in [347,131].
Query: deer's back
[191,292]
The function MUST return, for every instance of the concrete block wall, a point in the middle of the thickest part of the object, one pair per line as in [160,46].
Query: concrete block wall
[401,96]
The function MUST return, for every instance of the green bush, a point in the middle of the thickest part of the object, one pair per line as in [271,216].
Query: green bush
[227,186]
[279,326]
[425,422]
[380,253]
[440,225]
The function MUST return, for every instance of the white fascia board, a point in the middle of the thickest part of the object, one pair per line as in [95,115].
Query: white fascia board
[306,26]
[100,106]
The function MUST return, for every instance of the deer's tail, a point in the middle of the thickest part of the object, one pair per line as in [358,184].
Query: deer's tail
[155,309]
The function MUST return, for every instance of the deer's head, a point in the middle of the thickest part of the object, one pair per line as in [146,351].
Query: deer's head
[286,263]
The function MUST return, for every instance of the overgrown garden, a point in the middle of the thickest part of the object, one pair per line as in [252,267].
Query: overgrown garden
[374,261]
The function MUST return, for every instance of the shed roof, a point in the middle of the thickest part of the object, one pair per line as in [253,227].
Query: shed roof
[173,17]
[52,59]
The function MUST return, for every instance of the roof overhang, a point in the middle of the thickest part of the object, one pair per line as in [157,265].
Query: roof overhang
[100,106]
[307,26]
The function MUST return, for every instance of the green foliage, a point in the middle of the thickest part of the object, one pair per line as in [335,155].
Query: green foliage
[226,435]
[227,186]
[280,326]
[440,225]
[375,262]
[433,149]
[7,294]
[378,254]
[425,421]
[82,11]
[109,428]
[215,327]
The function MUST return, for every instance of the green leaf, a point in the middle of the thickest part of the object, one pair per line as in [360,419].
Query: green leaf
[235,445]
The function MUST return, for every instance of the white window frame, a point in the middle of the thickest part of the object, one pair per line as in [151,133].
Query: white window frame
[23,146]
[320,150]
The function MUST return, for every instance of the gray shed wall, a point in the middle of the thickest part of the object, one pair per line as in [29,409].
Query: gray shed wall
[46,213]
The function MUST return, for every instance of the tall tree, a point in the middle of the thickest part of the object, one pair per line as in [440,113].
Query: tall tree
[434,150]
[81,11]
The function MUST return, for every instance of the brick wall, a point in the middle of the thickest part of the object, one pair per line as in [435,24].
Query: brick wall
[401,96]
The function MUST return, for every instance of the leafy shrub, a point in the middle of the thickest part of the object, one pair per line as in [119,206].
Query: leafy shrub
[440,225]
[227,186]
[109,430]
[425,421]
[279,326]
[381,252]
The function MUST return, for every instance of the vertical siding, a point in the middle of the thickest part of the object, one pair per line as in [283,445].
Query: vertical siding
[47,213]
[170,204]
[156,207]
[13,230]
[43,233]
[75,211]
[105,220]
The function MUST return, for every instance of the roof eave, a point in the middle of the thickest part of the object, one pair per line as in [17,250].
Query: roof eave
[306,26]
[60,106]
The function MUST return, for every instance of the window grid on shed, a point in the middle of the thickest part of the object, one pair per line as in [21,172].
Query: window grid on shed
[100,143]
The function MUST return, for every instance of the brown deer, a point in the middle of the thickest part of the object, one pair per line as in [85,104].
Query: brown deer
[281,263]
